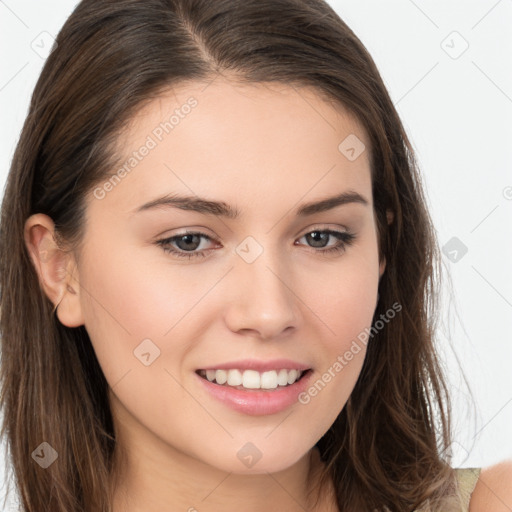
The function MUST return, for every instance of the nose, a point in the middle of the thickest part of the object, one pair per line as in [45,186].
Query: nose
[264,302]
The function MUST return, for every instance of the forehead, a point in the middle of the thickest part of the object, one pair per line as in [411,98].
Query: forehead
[239,140]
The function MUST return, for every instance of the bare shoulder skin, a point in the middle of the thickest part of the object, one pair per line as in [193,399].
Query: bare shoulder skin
[493,491]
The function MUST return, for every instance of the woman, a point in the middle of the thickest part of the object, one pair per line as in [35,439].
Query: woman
[282,361]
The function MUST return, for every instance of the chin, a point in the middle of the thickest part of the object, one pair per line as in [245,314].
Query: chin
[257,457]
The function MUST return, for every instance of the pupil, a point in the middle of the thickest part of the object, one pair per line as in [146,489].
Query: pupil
[316,234]
[188,241]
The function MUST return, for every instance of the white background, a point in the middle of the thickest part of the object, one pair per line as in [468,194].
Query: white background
[457,110]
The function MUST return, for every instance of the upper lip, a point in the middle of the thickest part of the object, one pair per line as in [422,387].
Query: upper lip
[258,365]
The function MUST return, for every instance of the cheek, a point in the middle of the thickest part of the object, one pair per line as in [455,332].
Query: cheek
[133,295]
[344,299]
[344,306]
[121,305]
[132,290]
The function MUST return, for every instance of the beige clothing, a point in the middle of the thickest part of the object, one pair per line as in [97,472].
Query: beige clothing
[467,479]
[459,502]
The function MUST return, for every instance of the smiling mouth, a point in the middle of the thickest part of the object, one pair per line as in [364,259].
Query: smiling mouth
[253,380]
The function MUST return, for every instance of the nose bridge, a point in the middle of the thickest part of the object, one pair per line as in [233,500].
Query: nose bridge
[264,301]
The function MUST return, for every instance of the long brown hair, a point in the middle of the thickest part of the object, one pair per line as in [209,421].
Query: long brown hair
[387,446]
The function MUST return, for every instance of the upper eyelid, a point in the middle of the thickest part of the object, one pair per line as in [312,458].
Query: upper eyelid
[213,238]
[317,227]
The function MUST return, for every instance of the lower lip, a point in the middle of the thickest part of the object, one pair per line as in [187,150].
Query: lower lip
[257,402]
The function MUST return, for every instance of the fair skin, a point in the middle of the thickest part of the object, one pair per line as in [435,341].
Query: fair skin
[493,491]
[264,150]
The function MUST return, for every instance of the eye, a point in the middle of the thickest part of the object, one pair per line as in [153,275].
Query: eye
[187,243]
[344,239]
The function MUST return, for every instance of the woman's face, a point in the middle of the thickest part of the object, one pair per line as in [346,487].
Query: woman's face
[260,293]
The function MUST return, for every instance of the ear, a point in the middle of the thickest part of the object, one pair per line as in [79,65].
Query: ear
[56,269]
[382,265]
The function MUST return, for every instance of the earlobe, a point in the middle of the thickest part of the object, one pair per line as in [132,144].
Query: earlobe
[55,269]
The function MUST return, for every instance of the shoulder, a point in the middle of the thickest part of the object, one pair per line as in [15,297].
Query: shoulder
[493,490]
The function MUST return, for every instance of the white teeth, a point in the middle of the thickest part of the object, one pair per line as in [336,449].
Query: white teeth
[292,376]
[252,379]
[282,378]
[221,376]
[235,377]
[269,380]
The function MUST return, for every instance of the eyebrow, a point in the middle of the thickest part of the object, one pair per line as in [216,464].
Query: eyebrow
[222,209]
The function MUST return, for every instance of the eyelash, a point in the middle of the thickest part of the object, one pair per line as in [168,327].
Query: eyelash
[345,239]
